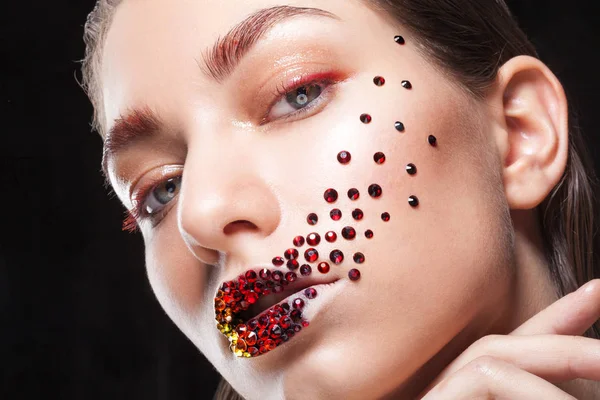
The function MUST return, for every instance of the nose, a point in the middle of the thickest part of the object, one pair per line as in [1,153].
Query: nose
[225,205]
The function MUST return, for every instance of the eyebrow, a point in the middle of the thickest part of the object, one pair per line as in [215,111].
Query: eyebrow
[218,63]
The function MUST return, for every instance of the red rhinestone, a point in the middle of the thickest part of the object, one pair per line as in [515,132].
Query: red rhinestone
[291,277]
[241,329]
[310,293]
[259,286]
[344,157]
[305,270]
[353,194]
[297,328]
[375,190]
[413,201]
[290,333]
[432,140]
[313,239]
[335,214]
[399,39]
[331,236]
[263,334]
[359,258]
[251,276]
[291,254]
[299,241]
[295,315]
[411,169]
[263,321]
[385,216]
[312,219]
[293,264]
[368,234]
[305,323]
[252,324]
[336,257]
[275,331]
[379,81]
[379,158]
[298,303]
[331,195]
[265,274]
[323,267]
[365,118]
[270,344]
[406,85]
[251,338]
[285,307]
[277,276]
[285,322]
[354,274]
[311,255]
[358,214]
[251,298]
[278,261]
[253,351]
[348,233]
[263,349]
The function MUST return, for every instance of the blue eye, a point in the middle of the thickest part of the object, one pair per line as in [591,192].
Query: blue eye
[298,99]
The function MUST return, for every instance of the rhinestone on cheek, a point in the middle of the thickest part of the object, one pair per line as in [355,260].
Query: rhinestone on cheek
[312,219]
[344,157]
[291,254]
[359,258]
[323,267]
[330,195]
[379,158]
[413,201]
[278,261]
[379,81]
[411,169]
[313,239]
[311,255]
[432,140]
[385,216]
[299,241]
[353,194]
[331,236]
[366,118]
[358,214]
[336,256]
[375,191]
[305,270]
[406,85]
[354,274]
[348,233]
[335,214]
[399,126]
[369,234]
[399,39]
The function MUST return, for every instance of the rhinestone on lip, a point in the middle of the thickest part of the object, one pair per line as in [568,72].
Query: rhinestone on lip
[299,241]
[293,264]
[331,236]
[274,326]
[366,118]
[311,255]
[313,239]
[278,261]
[305,270]
[291,254]
[336,256]
[331,195]
[323,267]
[310,293]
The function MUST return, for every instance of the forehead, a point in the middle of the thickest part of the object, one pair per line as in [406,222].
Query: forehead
[156,45]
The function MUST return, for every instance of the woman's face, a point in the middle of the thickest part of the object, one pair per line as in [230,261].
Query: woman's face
[256,145]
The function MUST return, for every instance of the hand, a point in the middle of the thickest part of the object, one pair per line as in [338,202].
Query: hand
[527,363]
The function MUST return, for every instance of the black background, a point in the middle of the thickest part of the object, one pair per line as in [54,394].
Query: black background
[78,319]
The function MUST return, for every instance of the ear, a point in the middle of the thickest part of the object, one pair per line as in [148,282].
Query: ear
[533,130]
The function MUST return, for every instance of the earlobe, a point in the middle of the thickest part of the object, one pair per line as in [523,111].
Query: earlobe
[536,136]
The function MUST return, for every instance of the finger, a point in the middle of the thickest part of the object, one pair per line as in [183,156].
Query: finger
[489,378]
[573,314]
[555,358]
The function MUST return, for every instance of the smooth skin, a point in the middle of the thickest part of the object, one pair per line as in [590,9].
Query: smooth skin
[466,264]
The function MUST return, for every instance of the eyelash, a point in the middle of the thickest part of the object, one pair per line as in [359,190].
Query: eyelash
[130,223]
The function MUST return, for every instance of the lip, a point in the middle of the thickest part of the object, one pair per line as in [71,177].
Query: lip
[287,296]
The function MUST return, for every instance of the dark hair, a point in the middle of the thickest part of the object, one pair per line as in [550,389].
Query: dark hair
[470,40]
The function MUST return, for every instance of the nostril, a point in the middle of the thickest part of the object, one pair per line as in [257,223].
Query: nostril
[237,226]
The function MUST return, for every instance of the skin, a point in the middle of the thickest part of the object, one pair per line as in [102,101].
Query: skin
[466,263]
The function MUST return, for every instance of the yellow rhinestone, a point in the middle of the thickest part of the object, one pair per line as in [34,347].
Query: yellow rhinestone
[247,355]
